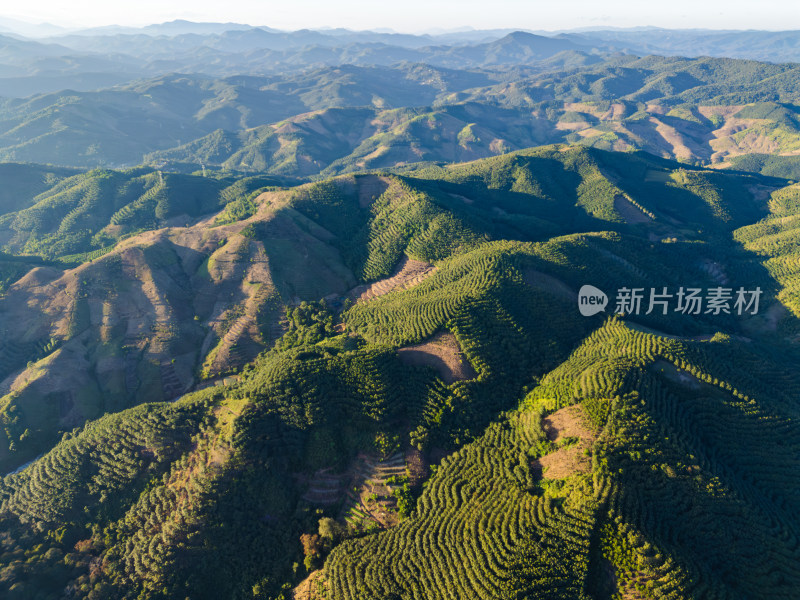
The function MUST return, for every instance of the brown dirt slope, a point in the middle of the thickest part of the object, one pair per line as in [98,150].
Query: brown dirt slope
[369,499]
[569,422]
[408,273]
[443,353]
[137,324]
[308,589]
[548,283]
[714,136]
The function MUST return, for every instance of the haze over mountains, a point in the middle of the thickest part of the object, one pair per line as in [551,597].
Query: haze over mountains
[244,98]
[294,315]
[338,119]
[110,55]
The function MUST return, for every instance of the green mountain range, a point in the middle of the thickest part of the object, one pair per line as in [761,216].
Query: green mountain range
[335,120]
[361,315]
[379,385]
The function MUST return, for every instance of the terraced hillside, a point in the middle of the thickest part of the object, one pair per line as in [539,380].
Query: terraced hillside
[158,312]
[661,512]
[153,314]
[544,455]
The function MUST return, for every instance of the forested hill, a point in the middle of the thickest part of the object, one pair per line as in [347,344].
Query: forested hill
[380,385]
[339,119]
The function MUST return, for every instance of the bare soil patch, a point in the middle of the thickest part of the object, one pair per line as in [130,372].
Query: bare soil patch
[371,187]
[578,126]
[677,375]
[727,143]
[766,320]
[630,212]
[674,138]
[307,589]
[589,132]
[657,109]
[326,488]
[715,270]
[417,467]
[659,176]
[409,273]
[369,495]
[464,199]
[443,353]
[774,314]
[569,422]
[723,110]
[617,111]
[761,194]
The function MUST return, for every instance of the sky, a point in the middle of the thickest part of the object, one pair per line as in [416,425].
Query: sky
[420,15]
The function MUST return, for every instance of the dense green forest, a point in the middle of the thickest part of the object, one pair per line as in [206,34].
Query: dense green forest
[379,385]
[87,213]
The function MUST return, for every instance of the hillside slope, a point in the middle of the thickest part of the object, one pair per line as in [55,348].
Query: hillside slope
[335,119]
[658,510]
[449,427]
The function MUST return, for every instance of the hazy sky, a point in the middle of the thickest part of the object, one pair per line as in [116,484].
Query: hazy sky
[418,15]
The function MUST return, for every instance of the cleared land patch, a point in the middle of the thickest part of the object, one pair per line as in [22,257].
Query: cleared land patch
[369,496]
[307,589]
[409,273]
[371,187]
[443,353]
[630,212]
[677,375]
[568,426]
[325,488]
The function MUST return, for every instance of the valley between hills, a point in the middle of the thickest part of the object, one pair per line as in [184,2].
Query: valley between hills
[312,332]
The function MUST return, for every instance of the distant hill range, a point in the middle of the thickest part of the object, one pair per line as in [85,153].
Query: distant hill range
[338,119]
[298,314]
[93,58]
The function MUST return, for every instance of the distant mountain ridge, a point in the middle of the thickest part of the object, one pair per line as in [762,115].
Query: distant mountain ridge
[302,315]
[107,55]
[337,119]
